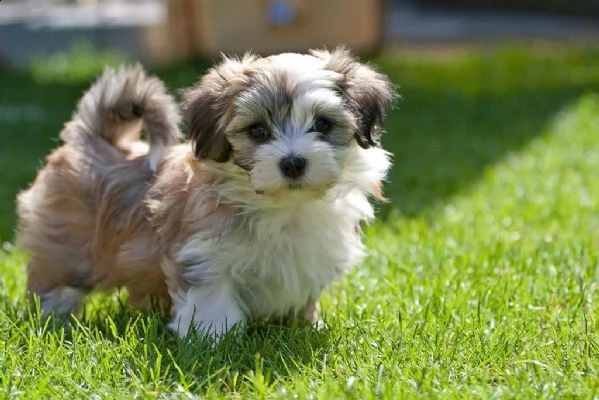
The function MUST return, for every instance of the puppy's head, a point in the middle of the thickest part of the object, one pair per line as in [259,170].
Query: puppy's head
[289,120]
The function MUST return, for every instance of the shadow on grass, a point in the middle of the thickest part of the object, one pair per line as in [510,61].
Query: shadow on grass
[437,153]
[456,118]
[153,354]
[264,353]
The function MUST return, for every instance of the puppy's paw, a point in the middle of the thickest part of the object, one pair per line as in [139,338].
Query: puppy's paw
[61,301]
[211,310]
[320,325]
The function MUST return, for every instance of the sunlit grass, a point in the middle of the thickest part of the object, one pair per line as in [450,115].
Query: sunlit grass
[482,279]
[81,63]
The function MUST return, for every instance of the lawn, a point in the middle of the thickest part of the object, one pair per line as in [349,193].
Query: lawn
[482,279]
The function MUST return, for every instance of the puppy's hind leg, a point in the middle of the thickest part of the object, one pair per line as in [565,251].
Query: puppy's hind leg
[59,284]
[61,301]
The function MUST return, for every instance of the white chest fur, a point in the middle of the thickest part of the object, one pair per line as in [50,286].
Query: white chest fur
[293,254]
[279,257]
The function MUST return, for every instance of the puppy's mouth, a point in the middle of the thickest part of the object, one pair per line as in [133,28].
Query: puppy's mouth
[291,187]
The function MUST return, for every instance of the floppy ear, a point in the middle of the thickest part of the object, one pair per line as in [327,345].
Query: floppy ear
[366,92]
[208,104]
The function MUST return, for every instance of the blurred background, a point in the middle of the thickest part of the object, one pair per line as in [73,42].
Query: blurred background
[480,79]
[163,31]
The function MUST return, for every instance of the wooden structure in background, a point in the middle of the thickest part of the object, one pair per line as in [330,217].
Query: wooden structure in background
[211,27]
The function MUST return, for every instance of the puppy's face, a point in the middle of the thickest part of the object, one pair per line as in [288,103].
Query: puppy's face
[288,120]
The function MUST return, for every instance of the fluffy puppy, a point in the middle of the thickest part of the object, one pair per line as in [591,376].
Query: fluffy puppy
[251,219]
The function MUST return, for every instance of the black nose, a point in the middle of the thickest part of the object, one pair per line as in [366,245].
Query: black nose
[293,166]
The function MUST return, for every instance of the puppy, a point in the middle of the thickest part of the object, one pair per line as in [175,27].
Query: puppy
[252,218]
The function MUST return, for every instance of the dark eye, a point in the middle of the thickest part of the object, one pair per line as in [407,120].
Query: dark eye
[321,125]
[258,132]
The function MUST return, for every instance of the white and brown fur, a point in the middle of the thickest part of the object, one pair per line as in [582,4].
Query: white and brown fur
[211,227]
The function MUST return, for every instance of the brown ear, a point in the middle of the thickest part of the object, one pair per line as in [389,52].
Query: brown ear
[367,93]
[207,105]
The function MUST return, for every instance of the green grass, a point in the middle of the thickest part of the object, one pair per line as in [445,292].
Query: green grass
[482,280]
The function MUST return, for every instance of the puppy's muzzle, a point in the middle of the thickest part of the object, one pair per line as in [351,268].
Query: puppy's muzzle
[293,166]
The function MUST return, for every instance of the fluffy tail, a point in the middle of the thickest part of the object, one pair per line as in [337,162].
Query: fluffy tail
[116,106]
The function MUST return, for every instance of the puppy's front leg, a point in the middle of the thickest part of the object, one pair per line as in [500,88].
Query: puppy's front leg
[312,314]
[312,311]
[211,308]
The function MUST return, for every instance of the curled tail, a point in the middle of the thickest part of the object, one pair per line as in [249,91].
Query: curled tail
[119,103]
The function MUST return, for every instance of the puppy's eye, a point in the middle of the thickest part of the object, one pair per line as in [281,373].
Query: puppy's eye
[259,132]
[321,125]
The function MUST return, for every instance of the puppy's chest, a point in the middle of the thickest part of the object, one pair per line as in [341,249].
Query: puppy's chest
[281,258]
